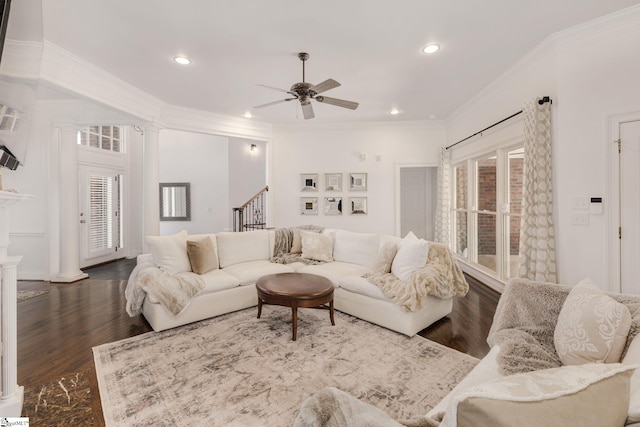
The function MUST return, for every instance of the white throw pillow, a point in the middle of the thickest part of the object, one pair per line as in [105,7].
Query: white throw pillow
[316,246]
[570,395]
[356,248]
[170,252]
[591,327]
[411,256]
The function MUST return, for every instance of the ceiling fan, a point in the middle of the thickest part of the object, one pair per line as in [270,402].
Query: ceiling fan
[305,92]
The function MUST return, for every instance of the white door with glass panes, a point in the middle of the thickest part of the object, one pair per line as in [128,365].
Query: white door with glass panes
[100,215]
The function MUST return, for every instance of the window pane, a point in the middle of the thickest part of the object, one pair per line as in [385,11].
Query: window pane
[486,194]
[106,130]
[116,132]
[461,187]
[106,143]
[461,233]
[94,129]
[487,240]
[94,140]
[516,180]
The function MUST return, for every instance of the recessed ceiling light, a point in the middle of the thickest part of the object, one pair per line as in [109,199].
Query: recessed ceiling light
[394,111]
[431,48]
[248,115]
[182,60]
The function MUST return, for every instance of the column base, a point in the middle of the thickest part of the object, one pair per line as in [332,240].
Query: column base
[69,278]
[12,407]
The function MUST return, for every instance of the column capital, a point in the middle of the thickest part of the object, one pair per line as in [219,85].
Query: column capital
[149,127]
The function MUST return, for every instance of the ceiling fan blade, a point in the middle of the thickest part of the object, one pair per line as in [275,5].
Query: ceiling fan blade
[324,86]
[339,102]
[275,88]
[307,110]
[274,102]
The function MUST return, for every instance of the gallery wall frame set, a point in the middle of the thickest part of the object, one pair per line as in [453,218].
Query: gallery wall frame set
[333,206]
[333,182]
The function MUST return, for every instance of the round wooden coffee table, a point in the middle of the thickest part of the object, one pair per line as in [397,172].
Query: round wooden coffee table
[295,290]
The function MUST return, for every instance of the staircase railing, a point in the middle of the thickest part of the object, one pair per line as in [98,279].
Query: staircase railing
[251,215]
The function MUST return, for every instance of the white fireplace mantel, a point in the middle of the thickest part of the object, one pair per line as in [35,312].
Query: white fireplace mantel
[11,395]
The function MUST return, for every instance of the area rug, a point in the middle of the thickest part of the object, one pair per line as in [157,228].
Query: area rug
[243,371]
[64,402]
[24,295]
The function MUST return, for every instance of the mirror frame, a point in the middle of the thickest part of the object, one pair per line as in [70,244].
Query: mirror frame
[185,185]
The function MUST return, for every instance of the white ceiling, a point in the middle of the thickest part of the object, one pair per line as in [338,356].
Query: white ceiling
[372,47]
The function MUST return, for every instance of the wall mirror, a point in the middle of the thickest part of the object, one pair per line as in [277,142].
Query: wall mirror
[358,182]
[175,201]
[333,182]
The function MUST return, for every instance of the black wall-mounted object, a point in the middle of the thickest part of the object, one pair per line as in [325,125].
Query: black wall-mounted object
[5,5]
[7,159]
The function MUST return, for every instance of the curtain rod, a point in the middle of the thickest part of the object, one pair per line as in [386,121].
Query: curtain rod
[540,101]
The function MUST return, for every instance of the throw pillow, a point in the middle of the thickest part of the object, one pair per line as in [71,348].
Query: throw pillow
[386,252]
[202,255]
[316,246]
[411,256]
[296,242]
[356,248]
[591,327]
[570,395]
[170,252]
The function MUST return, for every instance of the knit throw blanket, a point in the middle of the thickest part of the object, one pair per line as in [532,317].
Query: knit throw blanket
[525,321]
[283,242]
[440,277]
[173,292]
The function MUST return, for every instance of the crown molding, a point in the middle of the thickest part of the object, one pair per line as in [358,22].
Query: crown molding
[61,68]
[21,59]
[424,125]
[182,118]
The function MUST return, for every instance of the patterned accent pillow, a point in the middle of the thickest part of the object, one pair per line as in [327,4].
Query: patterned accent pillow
[558,397]
[316,246]
[591,327]
[202,255]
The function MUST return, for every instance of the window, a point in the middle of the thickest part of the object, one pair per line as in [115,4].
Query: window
[103,137]
[9,119]
[486,222]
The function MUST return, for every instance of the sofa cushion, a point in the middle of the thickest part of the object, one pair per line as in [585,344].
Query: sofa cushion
[335,271]
[360,285]
[202,253]
[316,246]
[591,327]
[234,248]
[633,358]
[248,272]
[356,248]
[170,252]
[411,256]
[570,395]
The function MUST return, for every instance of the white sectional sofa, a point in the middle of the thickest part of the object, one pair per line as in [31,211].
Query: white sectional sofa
[242,258]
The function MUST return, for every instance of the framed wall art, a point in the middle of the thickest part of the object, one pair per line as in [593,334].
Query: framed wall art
[333,205]
[333,182]
[358,205]
[309,182]
[308,206]
[357,182]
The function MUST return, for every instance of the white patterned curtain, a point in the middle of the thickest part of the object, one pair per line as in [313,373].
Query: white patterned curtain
[537,245]
[443,208]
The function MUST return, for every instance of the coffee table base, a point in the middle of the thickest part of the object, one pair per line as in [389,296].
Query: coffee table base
[296,290]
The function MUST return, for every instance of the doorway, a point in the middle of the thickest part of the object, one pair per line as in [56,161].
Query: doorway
[629,206]
[101,196]
[418,200]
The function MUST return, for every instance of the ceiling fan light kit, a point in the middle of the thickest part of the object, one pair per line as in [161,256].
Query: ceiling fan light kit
[304,92]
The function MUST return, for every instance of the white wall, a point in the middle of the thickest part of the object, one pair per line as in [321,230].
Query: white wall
[202,161]
[322,148]
[247,169]
[591,72]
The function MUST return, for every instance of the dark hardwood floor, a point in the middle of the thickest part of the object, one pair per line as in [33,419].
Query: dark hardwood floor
[57,330]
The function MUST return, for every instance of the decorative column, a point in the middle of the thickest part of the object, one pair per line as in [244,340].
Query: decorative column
[69,207]
[151,191]
[11,395]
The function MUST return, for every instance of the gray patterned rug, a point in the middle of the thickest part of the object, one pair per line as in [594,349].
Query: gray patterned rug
[24,295]
[242,371]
